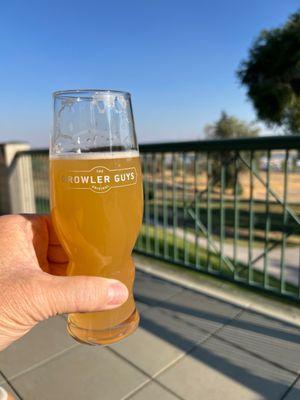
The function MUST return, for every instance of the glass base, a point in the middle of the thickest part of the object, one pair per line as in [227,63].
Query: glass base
[107,336]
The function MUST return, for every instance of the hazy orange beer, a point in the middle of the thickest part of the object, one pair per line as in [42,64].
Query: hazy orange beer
[97,203]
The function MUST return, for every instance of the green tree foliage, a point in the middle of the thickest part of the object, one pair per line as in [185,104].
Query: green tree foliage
[227,127]
[272,75]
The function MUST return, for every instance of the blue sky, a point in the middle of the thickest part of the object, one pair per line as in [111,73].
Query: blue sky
[177,58]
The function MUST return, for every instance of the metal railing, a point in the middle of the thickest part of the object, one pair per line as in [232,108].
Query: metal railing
[227,208]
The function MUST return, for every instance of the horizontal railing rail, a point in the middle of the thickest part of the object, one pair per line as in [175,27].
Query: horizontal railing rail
[260,143]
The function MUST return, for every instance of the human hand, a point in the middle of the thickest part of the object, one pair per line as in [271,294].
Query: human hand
[32,282]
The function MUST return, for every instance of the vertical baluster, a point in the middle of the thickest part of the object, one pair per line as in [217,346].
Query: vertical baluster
[299,274]
[284,223]
[222,215]
[236,215]
[208,208]
[39,179]
[165,206]
[140,242]
[185,215]
[268,221]
[197,205]
[174,203]
[251,222]
[147,204]
[155,200]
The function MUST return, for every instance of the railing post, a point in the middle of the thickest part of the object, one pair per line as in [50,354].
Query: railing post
[16,181]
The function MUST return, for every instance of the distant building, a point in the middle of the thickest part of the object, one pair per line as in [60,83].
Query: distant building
[277,160]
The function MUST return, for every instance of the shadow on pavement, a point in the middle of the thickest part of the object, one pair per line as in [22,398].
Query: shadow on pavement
[245,364]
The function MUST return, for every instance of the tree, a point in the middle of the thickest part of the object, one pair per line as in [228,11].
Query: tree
[271,75]
[227,127]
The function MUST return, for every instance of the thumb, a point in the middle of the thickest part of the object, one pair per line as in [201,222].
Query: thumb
[83,294]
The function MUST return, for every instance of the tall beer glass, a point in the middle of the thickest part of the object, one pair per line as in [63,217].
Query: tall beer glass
[97,199]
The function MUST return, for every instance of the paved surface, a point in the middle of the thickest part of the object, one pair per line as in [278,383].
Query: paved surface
[189,346]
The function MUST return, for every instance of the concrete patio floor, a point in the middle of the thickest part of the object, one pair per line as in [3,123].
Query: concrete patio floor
[189,346]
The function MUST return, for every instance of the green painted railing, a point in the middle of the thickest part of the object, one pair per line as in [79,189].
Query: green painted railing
[228,208]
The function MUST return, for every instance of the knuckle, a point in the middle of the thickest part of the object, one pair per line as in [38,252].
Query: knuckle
[94,294]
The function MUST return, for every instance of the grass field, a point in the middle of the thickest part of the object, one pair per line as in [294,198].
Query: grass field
[260,218]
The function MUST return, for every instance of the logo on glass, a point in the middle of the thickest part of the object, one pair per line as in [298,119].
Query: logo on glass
[100,179]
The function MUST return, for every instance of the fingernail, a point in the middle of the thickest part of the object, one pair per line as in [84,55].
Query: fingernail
[117,294]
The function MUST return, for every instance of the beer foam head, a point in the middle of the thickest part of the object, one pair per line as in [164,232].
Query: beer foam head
[96,155]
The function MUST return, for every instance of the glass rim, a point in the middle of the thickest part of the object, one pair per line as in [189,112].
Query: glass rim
[86,93]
